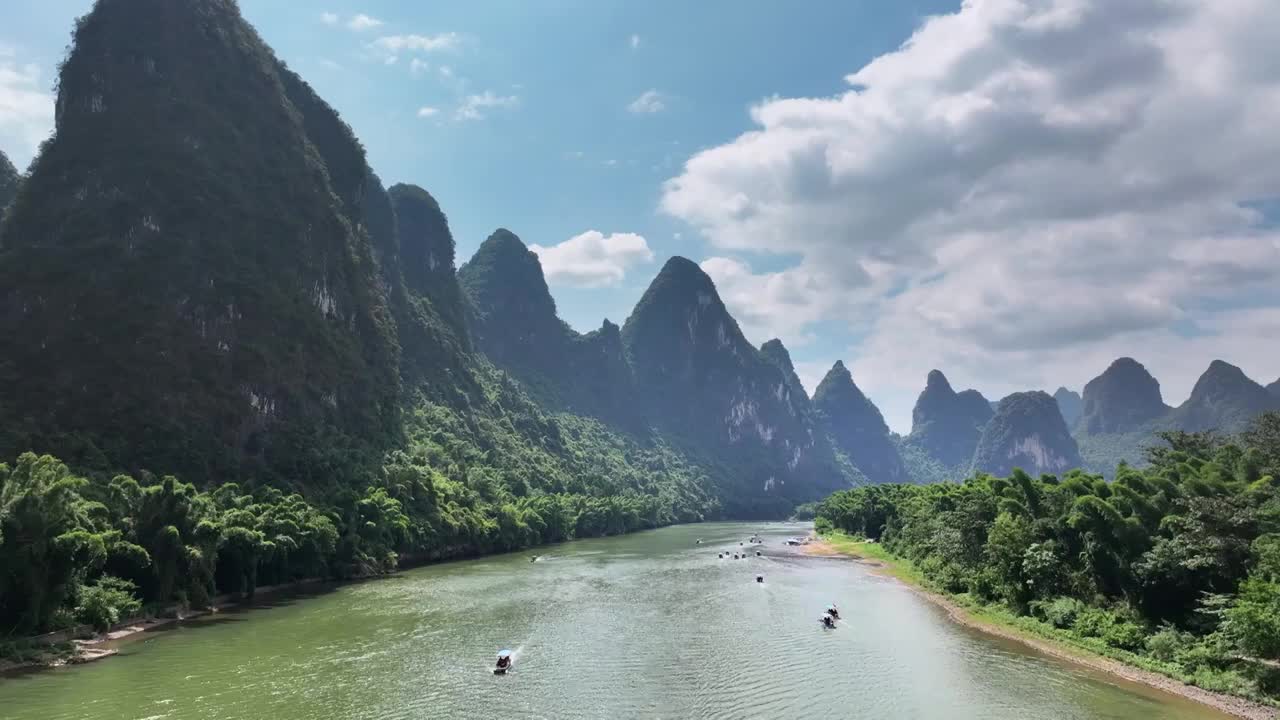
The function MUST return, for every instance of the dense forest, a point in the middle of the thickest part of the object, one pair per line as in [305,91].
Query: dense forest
[1175,566]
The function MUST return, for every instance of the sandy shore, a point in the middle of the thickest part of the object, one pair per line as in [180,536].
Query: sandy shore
[1229,704]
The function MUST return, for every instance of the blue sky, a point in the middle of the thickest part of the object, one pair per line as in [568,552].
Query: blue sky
[907,218]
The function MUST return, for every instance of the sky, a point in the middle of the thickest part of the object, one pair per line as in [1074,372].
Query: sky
[1015,192]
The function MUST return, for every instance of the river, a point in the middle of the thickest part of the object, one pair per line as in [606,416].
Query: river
[649,625]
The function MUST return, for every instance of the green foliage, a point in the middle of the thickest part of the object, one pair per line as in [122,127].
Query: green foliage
[1189,544]
[9,182]
[106,602]
[1165,644]
[1060,612]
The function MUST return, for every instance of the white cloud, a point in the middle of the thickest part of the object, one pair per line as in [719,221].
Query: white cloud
[427,111]
[1018,194]
[418,43]
[329,18]
[418,66]
[363,22]
[635,42]
[474,107]
[592,259]
[26,108]
[782,304]
[650,101]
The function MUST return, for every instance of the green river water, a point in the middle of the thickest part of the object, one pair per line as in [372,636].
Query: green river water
[650,625]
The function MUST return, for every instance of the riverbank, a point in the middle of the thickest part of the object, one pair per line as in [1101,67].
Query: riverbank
[78,646]
[874,556]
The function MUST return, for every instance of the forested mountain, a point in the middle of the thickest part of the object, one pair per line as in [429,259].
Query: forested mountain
[947,424]
[1274,389]
[700,379]
[856,427]
[1223,399]
[513,315]
[1123,398]
[9,180]
[1070,405]
[1026,432]
[177,150]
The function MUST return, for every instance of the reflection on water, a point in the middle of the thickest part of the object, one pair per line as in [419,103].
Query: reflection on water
[650,625]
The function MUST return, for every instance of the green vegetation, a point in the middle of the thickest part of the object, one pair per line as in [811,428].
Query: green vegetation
[1174,568]
[94,550]
[9,182]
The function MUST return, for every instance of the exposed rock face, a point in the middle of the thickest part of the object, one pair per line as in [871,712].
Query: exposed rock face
[1070,404]
[1223,399]
[793,393]
[1027,432]
[1123,398]
[947,424]
[224,304]
[857,428]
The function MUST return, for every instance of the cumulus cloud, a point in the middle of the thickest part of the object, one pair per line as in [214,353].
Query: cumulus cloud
[26,108]
[593,259]
[474,107]
[1022,180]
[329,18]
[782,304]
[361,22]
[427,111]
[650,101]
[417,66]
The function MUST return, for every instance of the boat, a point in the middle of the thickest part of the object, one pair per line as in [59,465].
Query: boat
[503,667]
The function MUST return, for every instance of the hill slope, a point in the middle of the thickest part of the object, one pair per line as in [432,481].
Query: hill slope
[1027,432]
[177,151]
[857,428]
[946,424]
